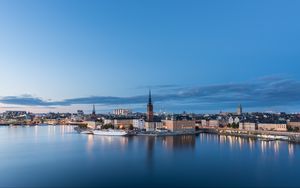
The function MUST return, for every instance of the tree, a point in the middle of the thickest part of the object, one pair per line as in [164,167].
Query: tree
[235,125]
[130,127]
[82,126]
[290,129]
[108,126]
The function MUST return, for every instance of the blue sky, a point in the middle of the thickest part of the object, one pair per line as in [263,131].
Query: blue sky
[197,56]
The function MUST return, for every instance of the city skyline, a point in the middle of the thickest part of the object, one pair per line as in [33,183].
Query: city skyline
[194,56]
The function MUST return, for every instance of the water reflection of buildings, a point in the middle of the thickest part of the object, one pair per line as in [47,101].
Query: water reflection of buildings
[263,146]
[170,143]
[179,142]
[65,129]
[90,143]
[108,140]
[238,142]
[291,150]
[276,147]
[150,140]
[270,146]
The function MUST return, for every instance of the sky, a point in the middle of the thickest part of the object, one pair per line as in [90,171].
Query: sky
[195,56]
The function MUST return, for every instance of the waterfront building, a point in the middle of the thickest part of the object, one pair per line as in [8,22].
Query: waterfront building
[204,122]
[198,123]
[209,122]
[272,127]
[122,123]
[213,123]
[248,126]
[51,121]
[91,124]
[294,125]
[138,123]
[107,121]
[153,126]
[179,125]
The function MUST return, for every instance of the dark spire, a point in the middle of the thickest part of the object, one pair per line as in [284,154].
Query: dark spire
[150,99]
[94,111]
[150,109]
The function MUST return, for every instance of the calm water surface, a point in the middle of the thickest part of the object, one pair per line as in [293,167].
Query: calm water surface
[50,156]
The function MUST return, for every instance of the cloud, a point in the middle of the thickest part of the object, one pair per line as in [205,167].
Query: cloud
[265,92]
[27,100]
[160,86]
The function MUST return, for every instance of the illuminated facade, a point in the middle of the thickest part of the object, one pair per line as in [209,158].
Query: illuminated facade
[179,125]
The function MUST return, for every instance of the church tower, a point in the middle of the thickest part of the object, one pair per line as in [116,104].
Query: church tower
[93,116]
[239,110]
[150,109]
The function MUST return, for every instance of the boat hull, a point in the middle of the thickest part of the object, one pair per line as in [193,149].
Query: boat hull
[86,132]
[109,133]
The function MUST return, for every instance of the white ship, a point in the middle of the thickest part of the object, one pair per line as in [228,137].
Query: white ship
[86,132]
[110,132]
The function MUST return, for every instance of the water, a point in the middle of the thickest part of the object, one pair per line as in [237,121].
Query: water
[56,156]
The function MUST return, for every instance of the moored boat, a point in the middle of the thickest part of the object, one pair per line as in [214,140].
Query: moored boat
[86,132]
[110,132]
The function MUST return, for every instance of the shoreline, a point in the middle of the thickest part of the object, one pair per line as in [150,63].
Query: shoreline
[292,137]
[256,134]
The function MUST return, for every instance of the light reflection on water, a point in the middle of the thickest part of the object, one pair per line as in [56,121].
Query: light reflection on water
[251,143]
[171,160]
[291,150]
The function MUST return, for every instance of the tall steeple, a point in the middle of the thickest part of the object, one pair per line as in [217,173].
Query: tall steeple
[150,108]
[150,99]
[94,111]
[93,116]
[239,110]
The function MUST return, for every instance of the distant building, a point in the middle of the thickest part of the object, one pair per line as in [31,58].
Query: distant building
[122,112]
[13,114]
[239,110]
[80,113]
[78,117]
[232,120]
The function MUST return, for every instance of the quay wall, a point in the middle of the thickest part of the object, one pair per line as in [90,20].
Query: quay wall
[277,135]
